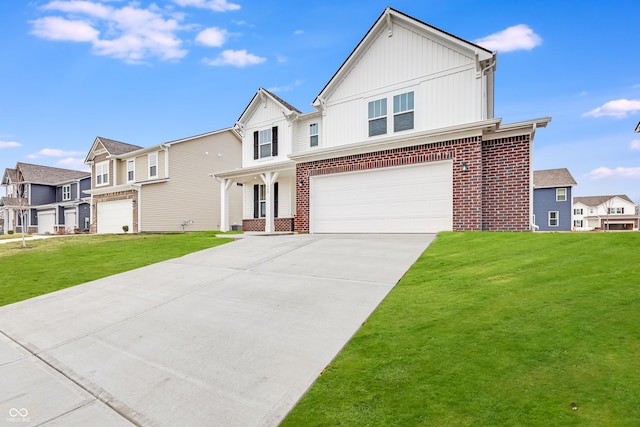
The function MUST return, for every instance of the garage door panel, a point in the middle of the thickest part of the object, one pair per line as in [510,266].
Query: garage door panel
[46,222]
[394,200]
[111,216]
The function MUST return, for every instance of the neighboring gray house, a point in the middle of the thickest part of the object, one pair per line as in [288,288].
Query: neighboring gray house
[552,199]
[54,198]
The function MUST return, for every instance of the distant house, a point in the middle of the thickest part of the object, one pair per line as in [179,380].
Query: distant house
[552,199]
[604,213]
[163,188]
[402,139]
[638,128]
[55,199]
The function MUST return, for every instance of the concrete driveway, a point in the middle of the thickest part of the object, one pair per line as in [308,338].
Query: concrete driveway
[229,336]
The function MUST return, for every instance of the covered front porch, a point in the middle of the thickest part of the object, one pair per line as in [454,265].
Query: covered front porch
[268,197]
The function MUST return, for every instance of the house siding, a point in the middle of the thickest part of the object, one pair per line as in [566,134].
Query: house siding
[191,194]
[42,194]
[544,201]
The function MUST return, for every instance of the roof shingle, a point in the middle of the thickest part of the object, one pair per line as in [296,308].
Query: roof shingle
[553,178]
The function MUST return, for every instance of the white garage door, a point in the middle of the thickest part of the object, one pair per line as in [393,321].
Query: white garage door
[46,222]
[413,199]
[113,215]
[70,220]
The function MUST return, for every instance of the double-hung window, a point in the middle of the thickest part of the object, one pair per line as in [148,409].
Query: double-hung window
[561,194]
[403,112]
[265,143]
[130,170]
[577,211]
[102,173]
[554,218]
[153,165]
[378,117]
[313,135]
[66,192]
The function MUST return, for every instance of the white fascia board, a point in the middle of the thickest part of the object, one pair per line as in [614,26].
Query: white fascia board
[256,170]
[398,141]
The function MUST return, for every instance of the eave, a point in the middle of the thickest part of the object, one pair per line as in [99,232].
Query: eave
[248,174]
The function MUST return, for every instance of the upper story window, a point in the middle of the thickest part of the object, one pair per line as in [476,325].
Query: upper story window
[378,117]
[577,211]
[313,135]
[102,173]
[66,192]
[153,165]
[131,170]
[615,210]
[561,194]
[265,143]
[403,112]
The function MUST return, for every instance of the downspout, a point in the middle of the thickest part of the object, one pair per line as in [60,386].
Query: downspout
[531,184]
[485,96]
[165,147]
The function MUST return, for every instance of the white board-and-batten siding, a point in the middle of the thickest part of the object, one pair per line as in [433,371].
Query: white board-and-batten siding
[286,197]
[266,115]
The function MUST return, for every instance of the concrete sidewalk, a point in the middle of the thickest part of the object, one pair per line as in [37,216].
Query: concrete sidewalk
[232,335]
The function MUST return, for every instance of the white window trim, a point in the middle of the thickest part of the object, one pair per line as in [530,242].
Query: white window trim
[557,219]
[133,169]
[66,195]
[262,144]
[382,116]
[155,157]
[558,195]
[104,177]
[262,201]
[408,110]
[316,134]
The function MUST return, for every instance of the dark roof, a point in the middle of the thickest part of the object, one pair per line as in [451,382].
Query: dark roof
[283,102]
[48,175]
[116,148]
[553,178]
[598,200]
[638,128]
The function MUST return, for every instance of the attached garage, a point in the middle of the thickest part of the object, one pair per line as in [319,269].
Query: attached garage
[111,216]
[70,221]
[46,221]
[405,199]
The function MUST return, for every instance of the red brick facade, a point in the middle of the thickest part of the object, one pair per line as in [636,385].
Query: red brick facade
[493,194]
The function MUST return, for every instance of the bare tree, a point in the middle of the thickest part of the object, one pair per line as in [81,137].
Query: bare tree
[22,204]
[608,205]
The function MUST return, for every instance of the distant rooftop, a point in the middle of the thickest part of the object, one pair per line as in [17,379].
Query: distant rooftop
[598,200]
[553,178]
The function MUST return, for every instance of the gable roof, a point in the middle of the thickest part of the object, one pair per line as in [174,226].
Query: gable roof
[598,200]
[385,20]
[40,174]
[638,128]
[116,148]
[13,201]
[259,97]
[10,175]
[553,178]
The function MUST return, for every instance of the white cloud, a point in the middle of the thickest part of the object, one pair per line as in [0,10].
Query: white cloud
[54,152]
[619,172]
[281,58]
[215,5]
[236,58]
[73,163]
[285,88]
[635,145]
[214,37]
[9,144]
[298,32]
[56,28]
[618,108]
[129,32]
[517,37]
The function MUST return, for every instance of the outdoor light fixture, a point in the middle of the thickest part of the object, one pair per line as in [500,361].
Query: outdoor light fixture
[464,167]
[301,184]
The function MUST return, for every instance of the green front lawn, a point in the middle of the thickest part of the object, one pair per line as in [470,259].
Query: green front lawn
[496,329]
[48,265]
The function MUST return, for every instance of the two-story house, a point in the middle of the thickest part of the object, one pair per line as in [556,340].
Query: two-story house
[604,213]
[54,200]
[165,187]
[402,139]
[552,199]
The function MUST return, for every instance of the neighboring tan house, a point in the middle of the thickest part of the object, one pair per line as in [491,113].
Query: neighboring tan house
[163,188]
[604,213]
[403,139]
[552,199]
[55,199]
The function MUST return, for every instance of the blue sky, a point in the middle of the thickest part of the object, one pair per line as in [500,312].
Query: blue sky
[149,72]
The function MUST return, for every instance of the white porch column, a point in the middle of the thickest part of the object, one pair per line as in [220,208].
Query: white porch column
[269,178]
[225,185]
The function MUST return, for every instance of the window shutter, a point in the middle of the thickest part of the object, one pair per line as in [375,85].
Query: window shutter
[274,141]
[256,201]
[275,200]
[255,145]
